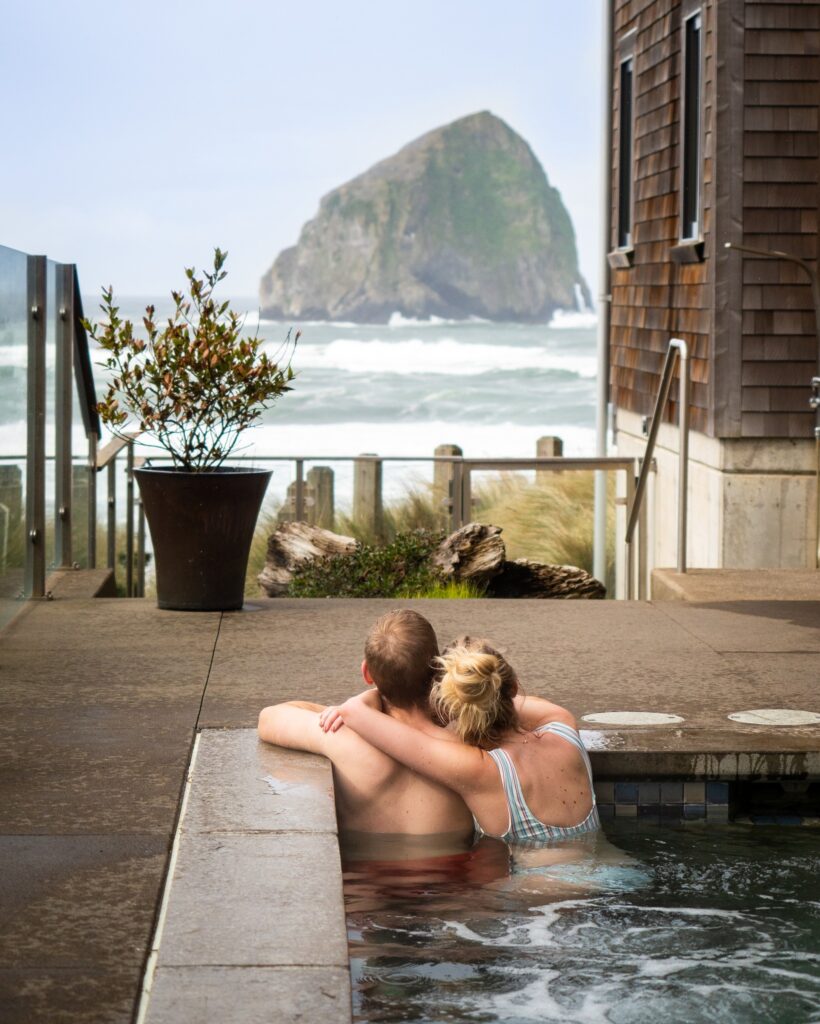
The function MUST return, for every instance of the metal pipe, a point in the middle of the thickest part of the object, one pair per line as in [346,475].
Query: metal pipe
[683,451]
[604,300]
[92,500]
[140,549]
[466,495]
[63,391]
[35,567]
[111,531]
[4,551]
[299,497]
[129,523]
[631,504]
[456,519]
[677,349]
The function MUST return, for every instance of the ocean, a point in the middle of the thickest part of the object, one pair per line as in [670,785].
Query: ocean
[398,389]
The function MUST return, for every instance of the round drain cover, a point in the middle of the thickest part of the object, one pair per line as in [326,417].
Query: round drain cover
[632,718]
[775,716]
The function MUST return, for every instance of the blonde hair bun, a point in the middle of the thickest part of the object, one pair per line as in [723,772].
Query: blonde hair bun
[474,691]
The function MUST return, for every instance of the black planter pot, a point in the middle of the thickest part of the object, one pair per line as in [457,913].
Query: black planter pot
[201,526]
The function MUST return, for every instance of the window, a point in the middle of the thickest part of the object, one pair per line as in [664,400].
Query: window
[625,156]
[691,177]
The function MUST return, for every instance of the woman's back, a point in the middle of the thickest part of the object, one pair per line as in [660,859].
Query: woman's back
[540,788]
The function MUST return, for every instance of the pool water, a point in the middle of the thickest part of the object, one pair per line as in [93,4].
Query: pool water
[699,924]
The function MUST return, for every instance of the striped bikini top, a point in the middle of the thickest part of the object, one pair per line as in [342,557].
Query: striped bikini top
[524,826]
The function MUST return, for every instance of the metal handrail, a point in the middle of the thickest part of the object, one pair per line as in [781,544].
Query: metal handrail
[678,349]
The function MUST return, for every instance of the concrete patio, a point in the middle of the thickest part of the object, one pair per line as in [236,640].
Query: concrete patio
[102,699]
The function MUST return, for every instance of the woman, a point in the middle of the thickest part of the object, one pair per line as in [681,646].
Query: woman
[520,767]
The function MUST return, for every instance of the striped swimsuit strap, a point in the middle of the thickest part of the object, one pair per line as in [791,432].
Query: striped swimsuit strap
[523,824]
[568,733]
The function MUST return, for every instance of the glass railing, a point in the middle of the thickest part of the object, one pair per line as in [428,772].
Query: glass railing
[13,378]
[48,419]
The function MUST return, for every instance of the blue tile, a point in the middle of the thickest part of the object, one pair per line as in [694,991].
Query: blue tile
[606,811]
[789,819]
[649,793]
[764,819]
[671,792]
[717,792]
[626,792]
[694,811]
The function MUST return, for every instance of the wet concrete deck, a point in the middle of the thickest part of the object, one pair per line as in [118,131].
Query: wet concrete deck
[100,701]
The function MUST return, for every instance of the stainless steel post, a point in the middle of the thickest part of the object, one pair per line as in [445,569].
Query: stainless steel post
[299,497]
[642,553]
[456,519]
[466,496]
[604,299]
[683,452]
[677,349]
[35,567]
[140,549]
[632,497]
[111,533]
[62,413]
[129,522]
[92,500]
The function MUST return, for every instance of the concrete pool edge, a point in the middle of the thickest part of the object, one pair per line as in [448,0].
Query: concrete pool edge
[252,912]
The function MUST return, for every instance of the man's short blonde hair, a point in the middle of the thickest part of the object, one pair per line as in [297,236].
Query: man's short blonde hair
[400,651]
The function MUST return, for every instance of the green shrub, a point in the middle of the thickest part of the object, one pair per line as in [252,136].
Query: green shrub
[398,569]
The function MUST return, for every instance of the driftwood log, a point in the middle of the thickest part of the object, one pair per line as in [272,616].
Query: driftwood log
[473,554]
[293,543]
[523,578]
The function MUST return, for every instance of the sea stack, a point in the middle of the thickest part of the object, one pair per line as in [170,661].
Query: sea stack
[460,223]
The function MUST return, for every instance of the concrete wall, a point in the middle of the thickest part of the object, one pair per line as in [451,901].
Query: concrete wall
[751,501]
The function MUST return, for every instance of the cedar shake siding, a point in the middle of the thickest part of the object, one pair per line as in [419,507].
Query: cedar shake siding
[749,322]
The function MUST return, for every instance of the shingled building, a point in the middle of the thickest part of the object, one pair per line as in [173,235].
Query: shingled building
[715,139]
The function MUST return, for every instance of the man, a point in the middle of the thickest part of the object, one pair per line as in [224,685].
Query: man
[373,792]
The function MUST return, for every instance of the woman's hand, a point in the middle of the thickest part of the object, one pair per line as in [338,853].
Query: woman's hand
[332,718]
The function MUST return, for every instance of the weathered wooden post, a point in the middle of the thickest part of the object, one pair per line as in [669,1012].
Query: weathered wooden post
[443,482]
[368,511]
[320,487]
[547,448]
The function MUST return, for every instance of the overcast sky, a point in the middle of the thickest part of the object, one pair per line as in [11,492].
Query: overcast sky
[137,136]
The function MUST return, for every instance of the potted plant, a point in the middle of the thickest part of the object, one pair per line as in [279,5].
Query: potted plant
[194,383]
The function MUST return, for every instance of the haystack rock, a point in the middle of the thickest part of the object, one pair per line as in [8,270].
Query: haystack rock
[460,223]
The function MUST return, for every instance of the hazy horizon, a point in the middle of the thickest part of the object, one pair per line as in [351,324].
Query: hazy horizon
[153,135]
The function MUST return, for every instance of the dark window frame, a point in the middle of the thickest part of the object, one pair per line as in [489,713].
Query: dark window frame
[625,206]
[691,125]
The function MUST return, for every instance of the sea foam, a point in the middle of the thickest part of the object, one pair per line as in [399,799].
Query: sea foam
[445,356]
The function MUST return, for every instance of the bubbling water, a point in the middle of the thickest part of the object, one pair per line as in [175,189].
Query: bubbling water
[697,925]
